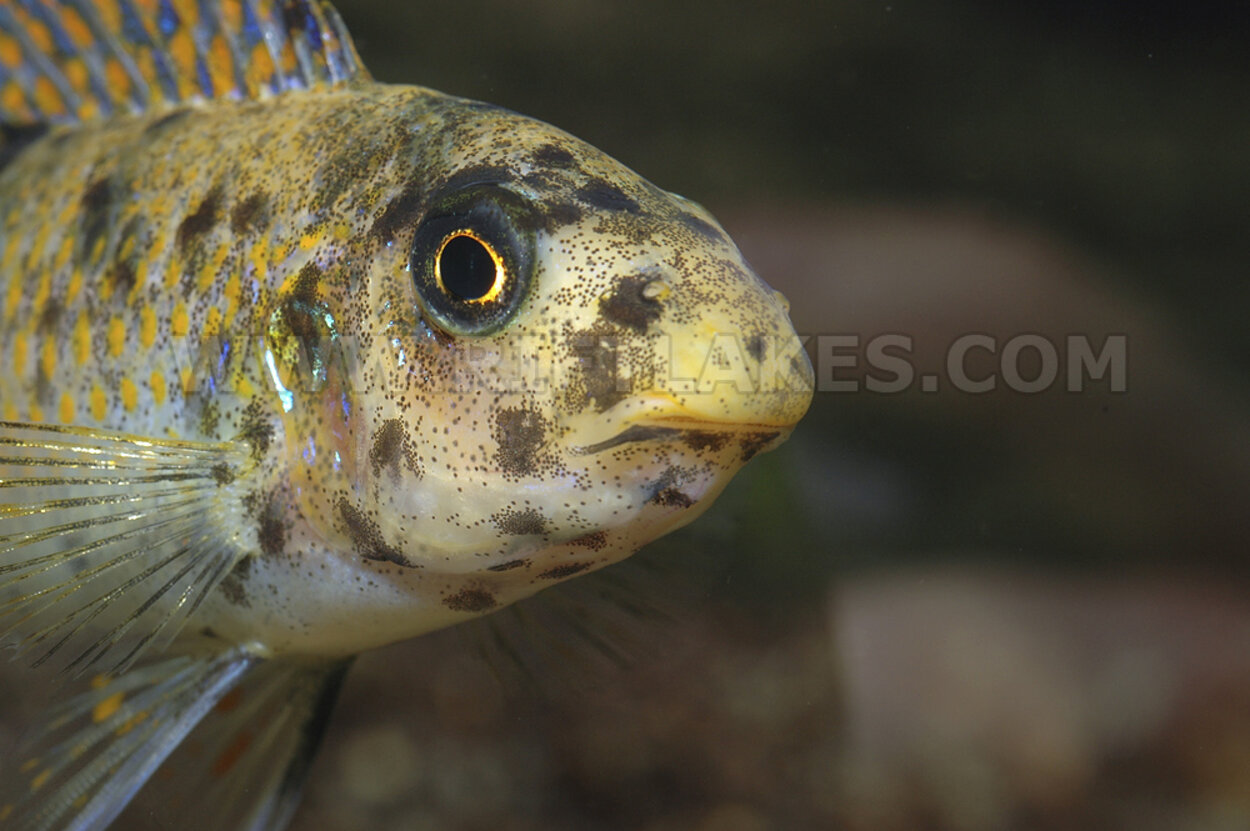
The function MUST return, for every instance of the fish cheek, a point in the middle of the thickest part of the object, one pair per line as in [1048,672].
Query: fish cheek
[310,367]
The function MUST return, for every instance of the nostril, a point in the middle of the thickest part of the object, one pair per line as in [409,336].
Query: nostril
[634,302]
[657,289]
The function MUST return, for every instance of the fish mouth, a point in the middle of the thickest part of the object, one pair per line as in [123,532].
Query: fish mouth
[630,435]
[676,427]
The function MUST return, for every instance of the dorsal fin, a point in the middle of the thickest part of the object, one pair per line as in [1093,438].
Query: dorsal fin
[67,61]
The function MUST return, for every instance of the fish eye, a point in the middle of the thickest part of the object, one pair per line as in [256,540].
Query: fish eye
[469,268]
[472,260]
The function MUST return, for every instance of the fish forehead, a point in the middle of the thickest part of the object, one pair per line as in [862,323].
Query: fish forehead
[296,163]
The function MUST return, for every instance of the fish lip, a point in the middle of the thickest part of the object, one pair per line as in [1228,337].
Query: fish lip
[687,423]
[670,427]
[630,435]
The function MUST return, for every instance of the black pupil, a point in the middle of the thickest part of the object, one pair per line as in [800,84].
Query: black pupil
[466,268]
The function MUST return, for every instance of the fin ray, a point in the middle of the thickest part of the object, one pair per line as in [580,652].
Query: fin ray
[67,61]
[108,563]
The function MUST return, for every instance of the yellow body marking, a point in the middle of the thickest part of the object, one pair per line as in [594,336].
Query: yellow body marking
[99,403]
[116,337]
[130,394]
[157,382]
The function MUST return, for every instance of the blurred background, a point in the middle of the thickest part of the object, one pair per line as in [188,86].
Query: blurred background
[944,610]
[929,610]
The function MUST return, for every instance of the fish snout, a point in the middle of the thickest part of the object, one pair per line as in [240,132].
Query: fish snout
[737,365]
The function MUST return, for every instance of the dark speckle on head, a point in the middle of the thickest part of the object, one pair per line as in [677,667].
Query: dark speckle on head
[705,440]
[629,306]
[564,571]
[520,433]
[672,498]
[390,447]
[387,445]
[481,174]
[306,282]
[756,346]
[553,155]
[596,352]
[753,443]
[606,196]
[201,220]
[401,212]
[799,366]
[558,214]
[701,227]
[508,566]
[470,600]
[367,537]
[595,541]
[234,591]
[665,490]
[527,521]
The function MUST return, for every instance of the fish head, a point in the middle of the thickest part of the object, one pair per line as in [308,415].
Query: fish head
[555,362]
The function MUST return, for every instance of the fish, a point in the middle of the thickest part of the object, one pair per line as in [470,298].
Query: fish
[300,364]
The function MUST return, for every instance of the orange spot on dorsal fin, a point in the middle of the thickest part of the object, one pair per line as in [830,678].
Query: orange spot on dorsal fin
[64,63]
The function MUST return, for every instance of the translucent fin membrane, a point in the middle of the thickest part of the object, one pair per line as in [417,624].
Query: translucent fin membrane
[108,542]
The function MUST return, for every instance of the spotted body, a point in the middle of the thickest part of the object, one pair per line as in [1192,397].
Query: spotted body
[302,364]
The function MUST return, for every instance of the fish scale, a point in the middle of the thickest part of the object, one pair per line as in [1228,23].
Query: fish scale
[136,289]
[301,365]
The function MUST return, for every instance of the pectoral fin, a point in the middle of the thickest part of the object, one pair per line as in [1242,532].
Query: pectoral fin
[108,541]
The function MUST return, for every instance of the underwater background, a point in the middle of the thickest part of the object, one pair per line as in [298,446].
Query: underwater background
[944,610]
